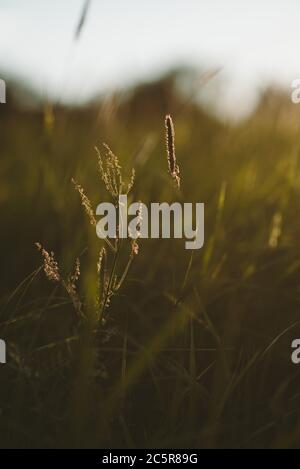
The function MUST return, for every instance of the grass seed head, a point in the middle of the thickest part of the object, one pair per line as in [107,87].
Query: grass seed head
[170,143]
[85,202]
[51,268]
[111,173]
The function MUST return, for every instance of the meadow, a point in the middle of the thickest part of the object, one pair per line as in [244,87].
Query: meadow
[193,348]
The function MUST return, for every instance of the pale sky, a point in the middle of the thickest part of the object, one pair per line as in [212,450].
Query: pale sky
[123,41]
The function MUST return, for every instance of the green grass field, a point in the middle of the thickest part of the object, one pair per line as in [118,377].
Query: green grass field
[194,349]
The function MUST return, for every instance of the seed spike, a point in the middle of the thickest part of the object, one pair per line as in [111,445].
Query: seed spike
[170,144]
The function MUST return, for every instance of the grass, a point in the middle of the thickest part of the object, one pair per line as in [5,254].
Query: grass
[193,349]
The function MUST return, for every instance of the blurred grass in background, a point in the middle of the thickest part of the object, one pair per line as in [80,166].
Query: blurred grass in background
[196,348]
